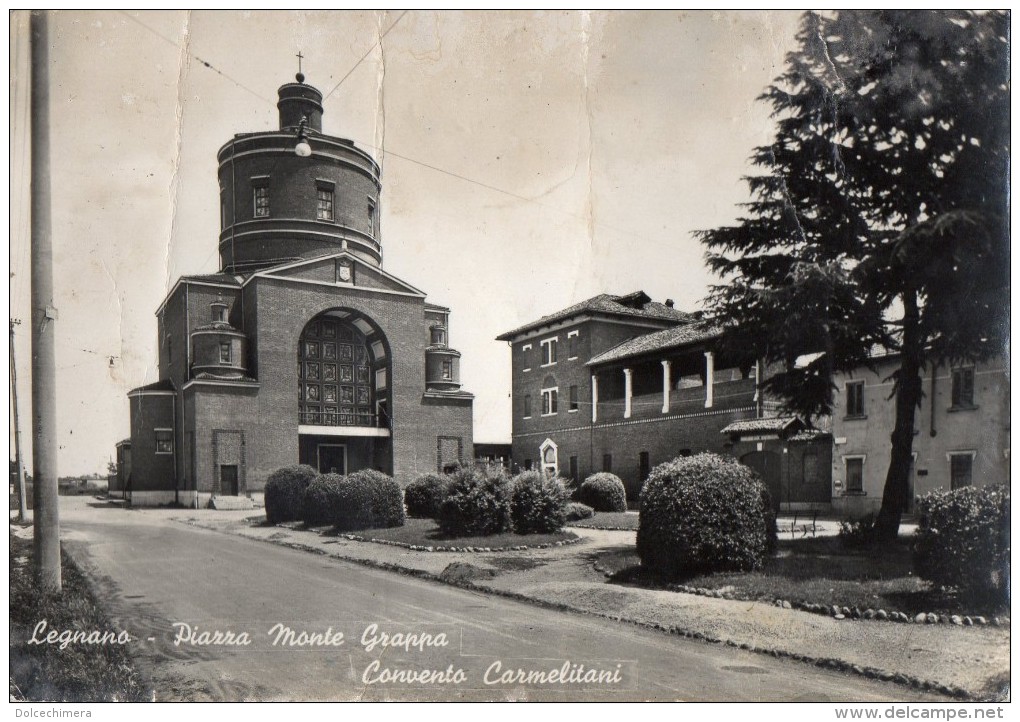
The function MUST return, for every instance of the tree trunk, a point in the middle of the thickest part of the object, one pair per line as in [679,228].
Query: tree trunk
[895,496]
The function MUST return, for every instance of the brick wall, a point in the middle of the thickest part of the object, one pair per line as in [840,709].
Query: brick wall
[150,471]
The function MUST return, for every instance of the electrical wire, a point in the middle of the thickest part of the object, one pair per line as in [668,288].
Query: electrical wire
[206,63]
[367,53]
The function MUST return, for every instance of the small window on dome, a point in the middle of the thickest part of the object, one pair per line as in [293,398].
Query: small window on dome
[324,207]
[225,352]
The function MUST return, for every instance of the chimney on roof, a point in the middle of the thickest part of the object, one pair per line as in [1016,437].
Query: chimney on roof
[669,303]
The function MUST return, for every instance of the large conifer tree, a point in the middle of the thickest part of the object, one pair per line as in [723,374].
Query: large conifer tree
[880,214]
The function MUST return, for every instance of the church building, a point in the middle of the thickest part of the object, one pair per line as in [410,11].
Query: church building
[301,349]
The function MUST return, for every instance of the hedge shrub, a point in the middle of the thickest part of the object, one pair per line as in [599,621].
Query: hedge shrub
[320,504]
[364,500]
[285,492]
[962,542]
[604,492]
[478,504]
[704,513]
[577,511]
[424,496]
[368,499]
[538,504]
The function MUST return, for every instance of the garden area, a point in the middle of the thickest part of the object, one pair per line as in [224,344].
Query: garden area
[472,508]
[706,526]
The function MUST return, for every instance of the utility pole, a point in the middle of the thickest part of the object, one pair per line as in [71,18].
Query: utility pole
[18,458]
[44,397]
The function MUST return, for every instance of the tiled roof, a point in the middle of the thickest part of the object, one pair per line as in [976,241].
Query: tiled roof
[636,305]
[775,424]
[225,278]
[207,376]
[161,385]
[809,435]
[668,338]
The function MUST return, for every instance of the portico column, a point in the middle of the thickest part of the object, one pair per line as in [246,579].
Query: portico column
[665,387]
[594,398]
[627,390]
[709,378]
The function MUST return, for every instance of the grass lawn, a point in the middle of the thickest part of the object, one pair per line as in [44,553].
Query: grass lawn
[80,672]
[609,519]
[425,532]
[820,571]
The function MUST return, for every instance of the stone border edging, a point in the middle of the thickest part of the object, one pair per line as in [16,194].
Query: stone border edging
[835,611]
[444,548]
[822,662]
[601,528]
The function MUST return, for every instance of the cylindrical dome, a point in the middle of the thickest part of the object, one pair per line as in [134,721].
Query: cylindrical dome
[297,101]
[442,369]
[220,350]
[277,207]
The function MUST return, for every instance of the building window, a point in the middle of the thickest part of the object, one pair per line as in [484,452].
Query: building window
[262,201]
[573,398]
[524,352]
[855,399]
[644,465]
[963,388]
[573,468]
[223,209]
[164,441]
[225,352]
[607,463]
[447,370]
[549,351]
[324,204]
[371,213]
[854,474]
[549,405]
[527,406]
[572,345]
[961,470]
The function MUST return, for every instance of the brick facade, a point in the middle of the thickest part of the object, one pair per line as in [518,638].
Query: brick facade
[630,426]
[232,386]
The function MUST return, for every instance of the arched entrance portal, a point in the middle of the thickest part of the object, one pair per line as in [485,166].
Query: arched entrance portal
[343,394]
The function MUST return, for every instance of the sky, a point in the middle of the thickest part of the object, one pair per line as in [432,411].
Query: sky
[530,160]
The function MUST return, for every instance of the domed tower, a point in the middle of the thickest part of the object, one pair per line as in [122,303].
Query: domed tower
[442,363]
[296,193]
[218,350]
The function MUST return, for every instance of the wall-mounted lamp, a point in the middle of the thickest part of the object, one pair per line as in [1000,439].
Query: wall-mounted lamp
[302,149]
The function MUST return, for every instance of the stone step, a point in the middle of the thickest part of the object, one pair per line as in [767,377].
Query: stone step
[231,503]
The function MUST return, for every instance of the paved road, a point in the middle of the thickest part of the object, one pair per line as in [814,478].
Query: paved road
[154,572]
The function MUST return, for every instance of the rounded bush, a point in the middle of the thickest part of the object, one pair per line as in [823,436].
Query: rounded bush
[962,542]
[319,506]
[704,513]
[478,504]
[364,500]
[538,504]
[424,496]
[369,499]
[577,511]
[285,491]
[604,492]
